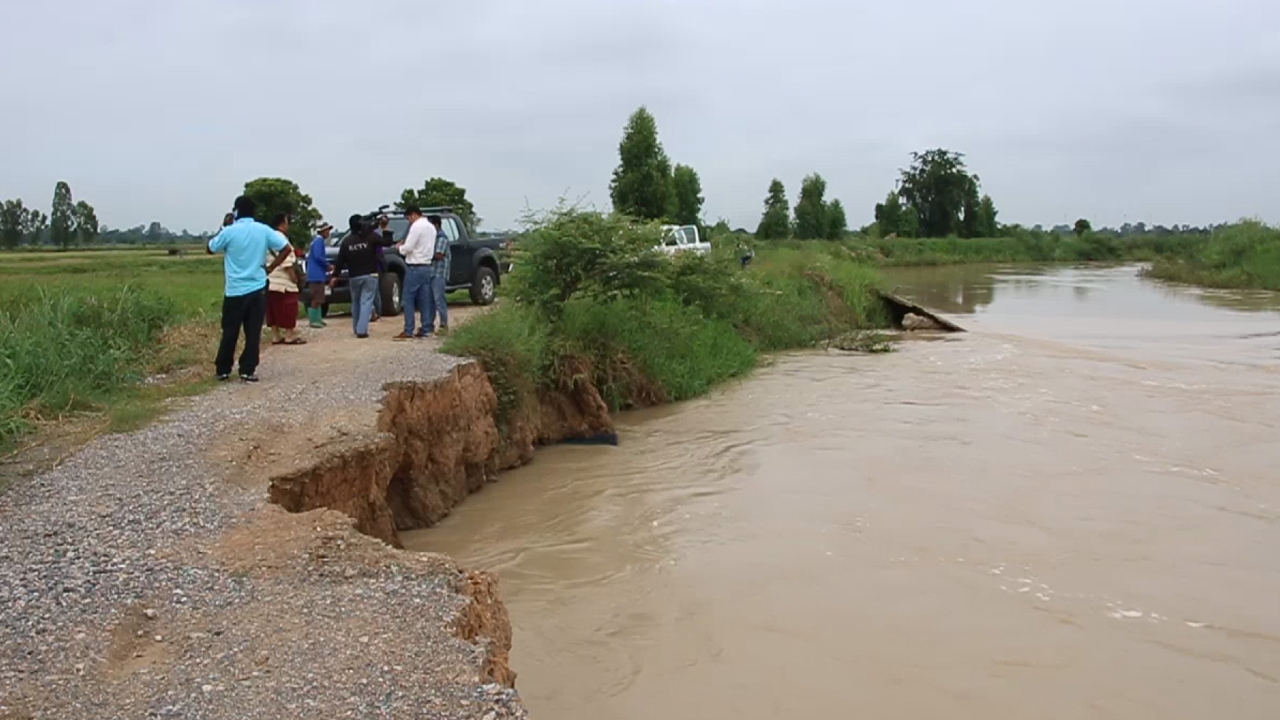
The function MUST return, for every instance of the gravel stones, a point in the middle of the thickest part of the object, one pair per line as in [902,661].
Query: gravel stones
[121,596]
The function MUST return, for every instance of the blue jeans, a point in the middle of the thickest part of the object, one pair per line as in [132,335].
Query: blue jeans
[417,297]
[363,290]
[440,305]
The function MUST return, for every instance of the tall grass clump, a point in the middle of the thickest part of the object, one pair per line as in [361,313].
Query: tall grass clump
[1244,255]
[64,350]
[591,299]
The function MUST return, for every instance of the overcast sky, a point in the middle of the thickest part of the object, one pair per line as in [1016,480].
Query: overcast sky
[1160,110]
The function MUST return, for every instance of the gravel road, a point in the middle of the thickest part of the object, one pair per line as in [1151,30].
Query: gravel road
[148,577]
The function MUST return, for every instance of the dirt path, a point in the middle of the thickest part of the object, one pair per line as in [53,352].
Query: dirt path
[148,576]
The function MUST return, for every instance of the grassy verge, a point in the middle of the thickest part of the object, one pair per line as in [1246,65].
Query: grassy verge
[1246,255]
[590,301]
[1242,255]
[1029,247]
[79,331]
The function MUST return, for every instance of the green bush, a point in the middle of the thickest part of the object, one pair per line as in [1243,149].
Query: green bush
[1244,255]
[64,350]
[570,253]
[591,295]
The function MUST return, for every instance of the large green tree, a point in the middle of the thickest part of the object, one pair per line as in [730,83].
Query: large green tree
[86,223]
[969,220]
[438,192]
[279,195]
[13,223]
[1082,227]
[837,222]
[889,216]
[62,221]
[987,225]
[36,226]
[811,209]
[642,182]
[687,192]
[936,186]
[775,223]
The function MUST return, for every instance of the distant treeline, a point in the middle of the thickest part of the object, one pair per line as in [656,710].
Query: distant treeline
[71,223]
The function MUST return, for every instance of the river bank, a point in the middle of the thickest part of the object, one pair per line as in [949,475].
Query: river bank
[1242,255]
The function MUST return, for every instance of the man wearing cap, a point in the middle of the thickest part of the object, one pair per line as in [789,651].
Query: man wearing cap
[418,247]
[317,272]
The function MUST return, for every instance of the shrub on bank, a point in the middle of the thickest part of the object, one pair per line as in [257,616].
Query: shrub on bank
[1244,255]
[63,350]
[590,294]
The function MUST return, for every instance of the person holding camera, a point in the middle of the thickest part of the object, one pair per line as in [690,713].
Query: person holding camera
[244,245]
[358,254]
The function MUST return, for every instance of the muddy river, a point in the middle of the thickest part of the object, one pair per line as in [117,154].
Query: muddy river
[1072,511]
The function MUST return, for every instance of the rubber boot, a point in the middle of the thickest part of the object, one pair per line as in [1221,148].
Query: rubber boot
[313,314]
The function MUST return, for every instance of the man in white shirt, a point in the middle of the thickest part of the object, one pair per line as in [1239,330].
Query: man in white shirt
[418,248]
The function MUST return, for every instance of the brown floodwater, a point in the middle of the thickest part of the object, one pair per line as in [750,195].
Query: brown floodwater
[1072,511]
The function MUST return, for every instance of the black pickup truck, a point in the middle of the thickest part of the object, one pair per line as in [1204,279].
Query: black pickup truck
[476,264]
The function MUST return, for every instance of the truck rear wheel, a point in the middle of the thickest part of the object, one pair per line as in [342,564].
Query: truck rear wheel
[391,297]
[484,288]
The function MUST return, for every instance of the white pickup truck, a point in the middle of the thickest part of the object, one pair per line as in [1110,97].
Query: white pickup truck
[683,238]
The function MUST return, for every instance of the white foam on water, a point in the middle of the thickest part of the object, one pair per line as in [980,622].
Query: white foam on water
[1126,614]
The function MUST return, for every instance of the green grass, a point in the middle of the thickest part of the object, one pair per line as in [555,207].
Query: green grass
[1029,247]
[78,330]
[65,350]
[1245,255]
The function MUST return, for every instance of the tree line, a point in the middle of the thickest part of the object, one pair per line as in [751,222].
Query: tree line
[76,223]
[276,196]
[935,196]
[68,223]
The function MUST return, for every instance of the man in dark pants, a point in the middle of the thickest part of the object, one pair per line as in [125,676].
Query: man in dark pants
[244,244]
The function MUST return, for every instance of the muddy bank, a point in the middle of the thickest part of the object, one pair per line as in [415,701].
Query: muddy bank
[435,443]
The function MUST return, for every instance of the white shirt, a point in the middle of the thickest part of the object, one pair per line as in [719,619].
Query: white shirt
[419,245]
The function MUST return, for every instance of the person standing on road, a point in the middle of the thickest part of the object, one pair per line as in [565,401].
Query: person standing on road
[440,266]
[417,249]
[282,290]
[383,223]
[244,245]
[358,254]
[317,273]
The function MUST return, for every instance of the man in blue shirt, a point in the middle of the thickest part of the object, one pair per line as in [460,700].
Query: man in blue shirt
[244,244]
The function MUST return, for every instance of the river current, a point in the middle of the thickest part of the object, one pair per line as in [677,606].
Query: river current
[1071,511]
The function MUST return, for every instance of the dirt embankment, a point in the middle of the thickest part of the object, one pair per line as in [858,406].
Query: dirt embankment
[435,443]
